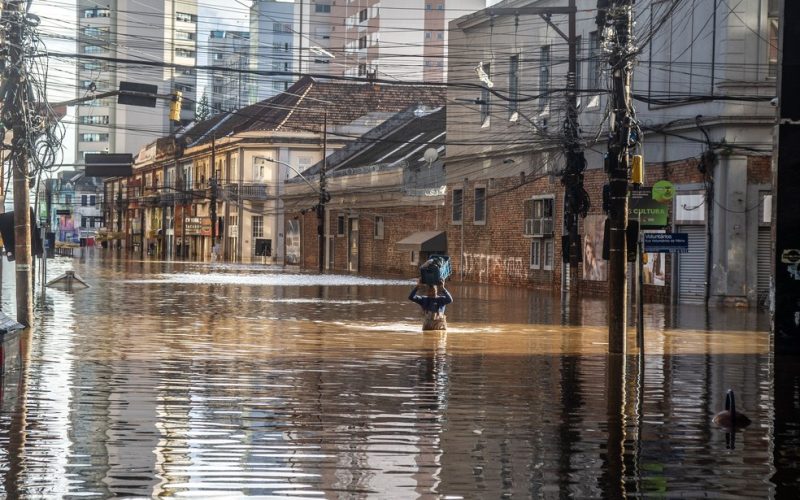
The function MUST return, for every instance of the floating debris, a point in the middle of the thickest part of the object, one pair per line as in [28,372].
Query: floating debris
[67,281]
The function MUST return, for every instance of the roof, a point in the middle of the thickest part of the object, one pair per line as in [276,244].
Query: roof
[302,107]
[401,140]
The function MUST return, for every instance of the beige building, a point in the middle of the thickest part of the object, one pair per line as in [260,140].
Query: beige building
[150,30]
[393,39]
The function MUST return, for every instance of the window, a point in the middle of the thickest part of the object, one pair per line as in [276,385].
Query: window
[90,13]
[184,35]
[94,120]
[92,200]
[83,222]
[340,225]
[538,217]
[480,205]
[772,49]
[440,35]
[184,88]
[536,254]
[92,66]
[67,199]
[428,6]
[92,31]
[84,200]
[186,18]
[92,49]
[362,69]
[593,70]
[322,8]
[513,84]
[378,227]
[94,137]
[549,251]
[362,42]
[179,52]
[414,258]
[544,76]
[362,16]
[486,96]
[258,226]
[428,35]
[458,205]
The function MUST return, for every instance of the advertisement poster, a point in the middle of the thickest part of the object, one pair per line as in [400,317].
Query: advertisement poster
[655,269]
[293,242]
[594,267]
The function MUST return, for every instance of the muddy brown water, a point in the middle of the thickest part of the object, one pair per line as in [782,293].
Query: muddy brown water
[201,380]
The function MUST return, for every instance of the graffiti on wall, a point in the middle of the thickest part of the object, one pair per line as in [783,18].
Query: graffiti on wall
[483,267]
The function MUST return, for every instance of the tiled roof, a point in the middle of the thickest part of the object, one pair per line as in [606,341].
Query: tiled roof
[402,139]
[302,106]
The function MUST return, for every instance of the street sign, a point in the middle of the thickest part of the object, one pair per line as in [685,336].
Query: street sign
[666,242]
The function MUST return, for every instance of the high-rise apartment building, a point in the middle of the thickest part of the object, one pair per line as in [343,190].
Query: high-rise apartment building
[272,47]
[230,52]
[394,39]
[150,30]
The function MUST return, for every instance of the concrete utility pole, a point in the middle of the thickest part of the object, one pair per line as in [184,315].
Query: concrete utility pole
[619,20]
[14,15]
[213,194]
[785,185]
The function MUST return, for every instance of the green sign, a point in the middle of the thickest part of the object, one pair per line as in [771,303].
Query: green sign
[663,191]
[643,208]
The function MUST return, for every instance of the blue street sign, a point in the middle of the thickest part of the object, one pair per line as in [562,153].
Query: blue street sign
[666,242]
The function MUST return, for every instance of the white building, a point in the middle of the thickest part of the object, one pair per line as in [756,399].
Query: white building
[229,51]
[150,30]
[272,47]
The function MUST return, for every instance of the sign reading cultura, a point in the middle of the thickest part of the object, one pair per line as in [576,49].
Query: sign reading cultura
[650,205]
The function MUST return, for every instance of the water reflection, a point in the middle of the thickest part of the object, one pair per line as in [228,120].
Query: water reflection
[166,380]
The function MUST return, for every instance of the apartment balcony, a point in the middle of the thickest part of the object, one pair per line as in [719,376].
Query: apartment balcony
[248,191]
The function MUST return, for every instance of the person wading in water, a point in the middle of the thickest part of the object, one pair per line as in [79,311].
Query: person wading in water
[433,305]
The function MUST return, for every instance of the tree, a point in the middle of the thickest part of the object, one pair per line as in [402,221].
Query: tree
[203,110]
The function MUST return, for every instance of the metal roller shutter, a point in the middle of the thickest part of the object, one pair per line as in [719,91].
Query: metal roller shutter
[763,267]
[692,267]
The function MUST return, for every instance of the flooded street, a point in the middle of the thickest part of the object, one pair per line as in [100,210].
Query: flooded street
[202,380]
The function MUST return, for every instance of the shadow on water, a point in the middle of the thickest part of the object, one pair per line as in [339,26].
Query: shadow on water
[177,379]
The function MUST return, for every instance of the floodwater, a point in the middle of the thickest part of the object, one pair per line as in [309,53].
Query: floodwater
[203,380]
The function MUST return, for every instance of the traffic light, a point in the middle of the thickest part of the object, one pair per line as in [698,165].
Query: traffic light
[175,106]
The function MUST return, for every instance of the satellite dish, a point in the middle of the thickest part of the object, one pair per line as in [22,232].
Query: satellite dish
[430,155]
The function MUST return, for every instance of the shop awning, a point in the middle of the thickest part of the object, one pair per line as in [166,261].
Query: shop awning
[424,241]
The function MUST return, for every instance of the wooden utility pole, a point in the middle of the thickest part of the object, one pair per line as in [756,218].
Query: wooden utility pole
[323,196]
[214,181]
[15,106]
[620,21]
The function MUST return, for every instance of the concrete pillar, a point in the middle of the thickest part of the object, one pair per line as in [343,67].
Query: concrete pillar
[729,232]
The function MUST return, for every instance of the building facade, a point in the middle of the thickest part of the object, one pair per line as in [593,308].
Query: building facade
[232,168]
[706,123]
[230,52]
[115,30]
[273,47]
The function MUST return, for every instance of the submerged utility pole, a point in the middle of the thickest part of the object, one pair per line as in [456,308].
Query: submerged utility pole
[576,200]
[615,20]
[15,108]
[323,196]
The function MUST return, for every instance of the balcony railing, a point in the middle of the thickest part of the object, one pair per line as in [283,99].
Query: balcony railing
[247,191]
